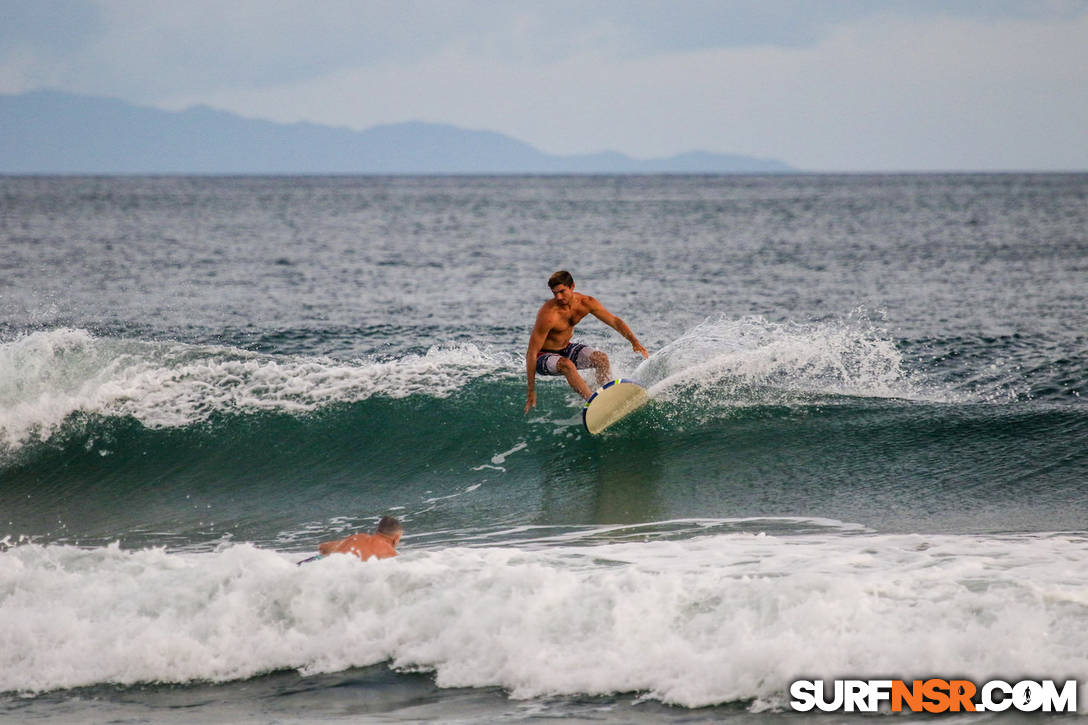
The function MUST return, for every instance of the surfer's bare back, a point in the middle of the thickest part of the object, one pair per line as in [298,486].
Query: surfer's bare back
[551,351]
[382,544]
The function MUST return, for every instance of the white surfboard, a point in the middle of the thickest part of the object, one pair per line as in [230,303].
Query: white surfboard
[612,401]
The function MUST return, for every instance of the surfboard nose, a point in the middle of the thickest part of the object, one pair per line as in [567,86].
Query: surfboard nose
[612,401]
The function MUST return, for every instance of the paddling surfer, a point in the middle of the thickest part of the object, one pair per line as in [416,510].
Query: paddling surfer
[551,351]
[382,544]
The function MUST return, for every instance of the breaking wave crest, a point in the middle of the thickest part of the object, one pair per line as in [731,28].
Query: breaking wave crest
[46,377]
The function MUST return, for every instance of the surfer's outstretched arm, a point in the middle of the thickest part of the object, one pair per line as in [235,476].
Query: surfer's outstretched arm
[598,310]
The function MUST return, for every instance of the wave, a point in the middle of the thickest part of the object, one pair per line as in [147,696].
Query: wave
[754,361]
[75,407]
[731,612]
[174,443]
[50,376]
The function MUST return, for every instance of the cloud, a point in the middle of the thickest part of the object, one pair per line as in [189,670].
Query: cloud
[143,49]
[895,94]
[855,84]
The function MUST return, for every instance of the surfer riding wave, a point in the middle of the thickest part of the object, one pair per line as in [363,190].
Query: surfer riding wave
[551,351]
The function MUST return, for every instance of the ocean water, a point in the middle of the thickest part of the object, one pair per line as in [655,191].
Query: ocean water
[866,453]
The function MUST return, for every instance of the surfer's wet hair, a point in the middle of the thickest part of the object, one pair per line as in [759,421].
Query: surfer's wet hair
[561,277]
[389,525]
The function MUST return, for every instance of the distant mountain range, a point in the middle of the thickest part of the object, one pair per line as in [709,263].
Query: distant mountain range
[49,132]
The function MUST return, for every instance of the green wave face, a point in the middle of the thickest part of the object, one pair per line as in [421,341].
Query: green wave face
[473,460]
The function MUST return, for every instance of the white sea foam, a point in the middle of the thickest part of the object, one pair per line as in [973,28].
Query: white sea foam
[711,619]
[754,360]
[47,376]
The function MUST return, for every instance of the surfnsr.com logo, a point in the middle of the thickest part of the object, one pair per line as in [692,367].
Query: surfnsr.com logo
[933,695]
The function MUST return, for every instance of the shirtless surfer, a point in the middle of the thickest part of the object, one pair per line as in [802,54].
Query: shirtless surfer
[550,350]
[381,544]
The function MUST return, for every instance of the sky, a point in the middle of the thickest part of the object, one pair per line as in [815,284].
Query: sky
[824,85]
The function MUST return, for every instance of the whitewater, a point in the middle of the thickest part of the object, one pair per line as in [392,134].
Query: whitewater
[716,617]
[56,374]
